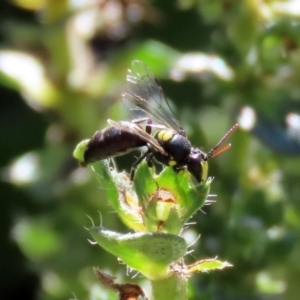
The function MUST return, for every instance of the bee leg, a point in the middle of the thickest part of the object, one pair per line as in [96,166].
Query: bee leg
[137,162]
[148,121]
[148,128]
[149,160]
[178,169]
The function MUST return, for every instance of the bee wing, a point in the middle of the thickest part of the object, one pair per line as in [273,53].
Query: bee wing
[139,131]
[145,97]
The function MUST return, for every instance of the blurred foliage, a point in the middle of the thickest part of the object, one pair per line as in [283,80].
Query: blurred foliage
[62,71]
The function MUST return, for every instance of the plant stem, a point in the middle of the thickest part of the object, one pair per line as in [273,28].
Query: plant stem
[173,287]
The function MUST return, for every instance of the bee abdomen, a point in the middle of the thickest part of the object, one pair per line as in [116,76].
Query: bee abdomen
[110,142]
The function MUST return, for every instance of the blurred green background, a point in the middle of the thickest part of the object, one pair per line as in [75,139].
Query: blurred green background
[63,66]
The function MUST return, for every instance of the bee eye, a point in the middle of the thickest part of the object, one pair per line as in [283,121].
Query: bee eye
[194,164]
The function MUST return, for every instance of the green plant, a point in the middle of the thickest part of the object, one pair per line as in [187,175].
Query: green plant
[156,208]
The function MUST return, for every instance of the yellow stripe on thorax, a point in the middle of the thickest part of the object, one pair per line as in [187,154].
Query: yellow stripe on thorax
[165,135]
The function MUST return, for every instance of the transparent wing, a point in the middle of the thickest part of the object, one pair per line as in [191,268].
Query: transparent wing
[140,132]
[145,98]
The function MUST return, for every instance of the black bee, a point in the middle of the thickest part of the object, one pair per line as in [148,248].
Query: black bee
[152,112]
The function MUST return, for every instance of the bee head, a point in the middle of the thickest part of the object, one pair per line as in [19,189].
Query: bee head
[197,161]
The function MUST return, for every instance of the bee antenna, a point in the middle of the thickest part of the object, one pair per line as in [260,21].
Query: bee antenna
[216,150]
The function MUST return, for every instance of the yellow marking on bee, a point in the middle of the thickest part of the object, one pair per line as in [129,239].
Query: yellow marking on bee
[172,163]
[165,135]
[204,174]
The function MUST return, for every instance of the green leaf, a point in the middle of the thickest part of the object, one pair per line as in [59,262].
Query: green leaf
[190,197]
[148,253]
[105,179]
[144,183]
[206,265]
[119,194]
